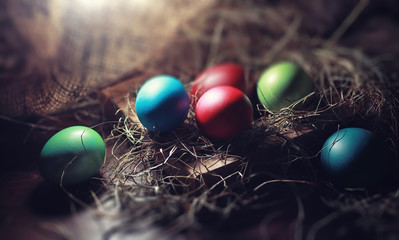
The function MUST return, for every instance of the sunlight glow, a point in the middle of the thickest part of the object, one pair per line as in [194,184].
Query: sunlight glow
[92,5]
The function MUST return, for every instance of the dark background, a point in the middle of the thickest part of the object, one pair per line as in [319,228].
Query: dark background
[55,59]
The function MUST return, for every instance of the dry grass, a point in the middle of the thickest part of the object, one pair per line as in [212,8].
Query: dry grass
[145,176]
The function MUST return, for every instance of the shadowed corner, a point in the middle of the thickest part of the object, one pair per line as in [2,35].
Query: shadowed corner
[50,200]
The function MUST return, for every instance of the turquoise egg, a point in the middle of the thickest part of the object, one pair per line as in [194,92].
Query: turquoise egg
[72,156]
[162,103]
[353,158]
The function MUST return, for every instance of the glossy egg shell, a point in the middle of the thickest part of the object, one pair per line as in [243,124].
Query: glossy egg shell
[162,103]
[223,112]
[227,74]
[282,84]
[353,157]
[72,156]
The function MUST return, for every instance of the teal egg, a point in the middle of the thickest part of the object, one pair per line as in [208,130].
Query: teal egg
[353,158]
[162,103]
[72,156]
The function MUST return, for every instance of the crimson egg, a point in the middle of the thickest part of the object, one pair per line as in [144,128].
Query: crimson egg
[226,74]
[223,112]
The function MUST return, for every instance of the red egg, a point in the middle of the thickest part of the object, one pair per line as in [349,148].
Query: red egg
[223,112]
[227,74]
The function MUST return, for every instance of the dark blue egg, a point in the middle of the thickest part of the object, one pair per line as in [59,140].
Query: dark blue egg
[162,103]
[353,158]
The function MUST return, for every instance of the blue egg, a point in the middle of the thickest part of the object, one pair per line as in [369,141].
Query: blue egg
[162,103]
[353,158]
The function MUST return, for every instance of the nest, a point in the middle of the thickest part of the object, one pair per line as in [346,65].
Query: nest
[163,179]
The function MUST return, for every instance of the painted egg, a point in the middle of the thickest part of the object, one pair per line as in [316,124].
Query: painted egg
[282,84]
[227,74]
[162,103]
[72,155]
[353,157]
[223,112]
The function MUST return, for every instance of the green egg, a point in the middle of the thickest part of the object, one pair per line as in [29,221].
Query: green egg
[72,156]
[282,84]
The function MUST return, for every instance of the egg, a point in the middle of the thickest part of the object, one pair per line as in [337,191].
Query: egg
[353,158]
[282,84]
[223,112]
[162,103]
[72,156]
[226,74]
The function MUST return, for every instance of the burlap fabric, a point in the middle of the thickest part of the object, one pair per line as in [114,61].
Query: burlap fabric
[53,51]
